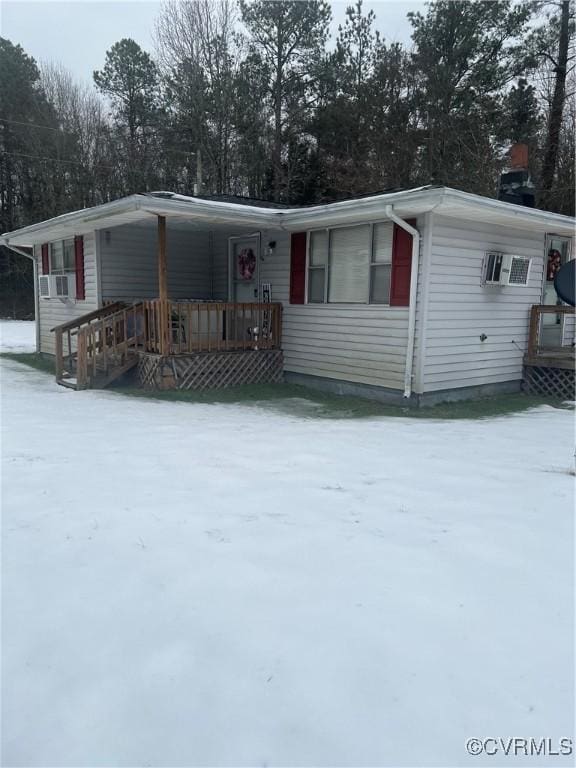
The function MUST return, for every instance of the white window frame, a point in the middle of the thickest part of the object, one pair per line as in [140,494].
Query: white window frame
[497,255]
[374,263]
[63,270]
[327,268]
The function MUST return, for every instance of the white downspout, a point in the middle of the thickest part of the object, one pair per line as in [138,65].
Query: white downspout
[389,210]
[36,295]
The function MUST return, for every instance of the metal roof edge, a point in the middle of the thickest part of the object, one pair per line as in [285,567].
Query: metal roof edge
[510,210]
[84,216]
[194,207]
[417,200]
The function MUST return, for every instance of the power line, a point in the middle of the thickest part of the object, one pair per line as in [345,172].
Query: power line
[55,160]
[171,150]
[115,168]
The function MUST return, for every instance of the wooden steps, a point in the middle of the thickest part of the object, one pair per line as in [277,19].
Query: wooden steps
[107,371]
[102,380]
[100,346]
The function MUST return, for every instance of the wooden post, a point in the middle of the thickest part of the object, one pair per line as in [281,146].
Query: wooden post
[59,354]
[164,313]
[534,330]
[82,359]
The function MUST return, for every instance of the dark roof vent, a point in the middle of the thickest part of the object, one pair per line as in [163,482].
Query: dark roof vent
[161,193]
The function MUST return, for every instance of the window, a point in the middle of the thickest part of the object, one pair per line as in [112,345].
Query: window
[349,260]
[381,264]
[62,258]
[318,263]
[493,268]
[350,265]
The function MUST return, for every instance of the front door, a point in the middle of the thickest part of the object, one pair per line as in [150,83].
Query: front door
[244,255]
[558,253]
[244,271]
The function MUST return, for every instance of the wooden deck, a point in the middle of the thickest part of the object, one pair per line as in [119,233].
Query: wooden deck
[551,349]
[94,350]
[550,360]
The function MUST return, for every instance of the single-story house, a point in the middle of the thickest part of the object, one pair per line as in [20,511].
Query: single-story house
[420,295]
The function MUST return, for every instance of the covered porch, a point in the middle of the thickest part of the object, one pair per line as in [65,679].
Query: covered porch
[182,318]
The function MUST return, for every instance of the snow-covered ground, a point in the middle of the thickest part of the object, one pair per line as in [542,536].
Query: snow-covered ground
[190,585]
[17,336]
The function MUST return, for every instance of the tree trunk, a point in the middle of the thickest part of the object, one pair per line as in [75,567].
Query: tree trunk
[556,111]
[277,159]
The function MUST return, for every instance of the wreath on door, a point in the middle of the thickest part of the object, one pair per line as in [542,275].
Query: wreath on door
[554,264]
[246,264]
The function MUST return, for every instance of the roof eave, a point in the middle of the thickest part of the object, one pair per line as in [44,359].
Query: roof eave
[450,202]
[77,221]
[491,210]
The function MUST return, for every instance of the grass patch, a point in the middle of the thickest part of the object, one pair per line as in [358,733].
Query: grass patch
[302,402]
[294,400]
[32,359]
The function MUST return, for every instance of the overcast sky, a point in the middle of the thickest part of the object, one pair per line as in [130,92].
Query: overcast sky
[78,33]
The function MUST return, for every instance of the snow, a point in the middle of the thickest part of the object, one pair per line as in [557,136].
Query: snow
[17,336]
[189,585]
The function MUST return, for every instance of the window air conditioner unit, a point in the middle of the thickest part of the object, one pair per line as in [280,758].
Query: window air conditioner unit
[56,286]
[515,270]
[44,286]
[506,269]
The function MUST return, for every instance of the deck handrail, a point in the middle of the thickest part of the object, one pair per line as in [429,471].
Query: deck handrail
[97,314]
[107,337]
[104,334]
[535,329]
[186,327]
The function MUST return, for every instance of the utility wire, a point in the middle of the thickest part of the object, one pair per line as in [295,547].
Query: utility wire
[55,160]
[61,131]
[115,168]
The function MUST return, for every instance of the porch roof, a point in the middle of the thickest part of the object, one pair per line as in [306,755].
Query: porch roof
[212,213]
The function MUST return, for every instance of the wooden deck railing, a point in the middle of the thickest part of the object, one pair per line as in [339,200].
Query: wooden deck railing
[542,340]
[187,327]
[90,345]
[97,341]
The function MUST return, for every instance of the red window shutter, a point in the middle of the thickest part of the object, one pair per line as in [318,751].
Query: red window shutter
[79,260]
[45,259]
[401,266]
[298,268]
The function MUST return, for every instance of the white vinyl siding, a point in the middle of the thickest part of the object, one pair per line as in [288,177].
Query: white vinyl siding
[197,262]
[54,312]
[129,263]
[357,343]
[275,267]
[460,309]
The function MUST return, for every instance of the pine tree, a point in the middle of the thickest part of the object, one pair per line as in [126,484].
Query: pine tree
[130,78]
[288,36]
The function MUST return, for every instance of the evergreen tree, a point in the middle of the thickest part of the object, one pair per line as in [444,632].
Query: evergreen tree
[130,79]
[288,36]
[464,56]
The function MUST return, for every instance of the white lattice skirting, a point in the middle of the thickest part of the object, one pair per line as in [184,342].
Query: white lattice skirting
[211,370]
